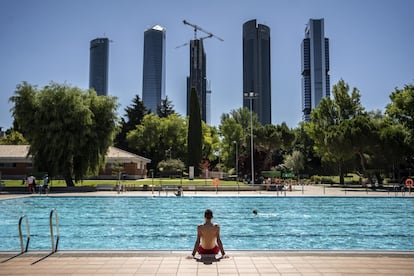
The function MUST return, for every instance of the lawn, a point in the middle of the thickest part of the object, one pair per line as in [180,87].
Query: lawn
[135,183]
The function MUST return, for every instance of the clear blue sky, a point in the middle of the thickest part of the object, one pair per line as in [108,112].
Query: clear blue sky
[371,47]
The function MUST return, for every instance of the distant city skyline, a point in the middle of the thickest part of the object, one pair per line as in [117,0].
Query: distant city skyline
[315,66]
[256,70]
[153,72]
[42,41]
[98,65]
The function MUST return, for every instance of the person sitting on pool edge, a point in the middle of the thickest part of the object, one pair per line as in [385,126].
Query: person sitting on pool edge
[208,237]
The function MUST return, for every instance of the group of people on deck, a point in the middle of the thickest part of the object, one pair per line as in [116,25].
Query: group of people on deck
[31,184]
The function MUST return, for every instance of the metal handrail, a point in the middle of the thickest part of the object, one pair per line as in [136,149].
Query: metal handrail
[22,248]
[54,246]
[52,237]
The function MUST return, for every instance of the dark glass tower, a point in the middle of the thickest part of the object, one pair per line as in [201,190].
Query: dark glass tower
[197,78]
[98,65]
[208,103]
[315,67]
[153,79]
[256,69]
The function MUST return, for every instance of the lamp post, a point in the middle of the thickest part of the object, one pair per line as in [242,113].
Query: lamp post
[237,164]
[251,96]
[237,158]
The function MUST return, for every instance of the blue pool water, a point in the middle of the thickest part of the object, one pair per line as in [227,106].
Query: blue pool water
[282,223]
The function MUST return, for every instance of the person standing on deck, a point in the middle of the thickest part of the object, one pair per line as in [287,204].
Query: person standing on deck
[31,183]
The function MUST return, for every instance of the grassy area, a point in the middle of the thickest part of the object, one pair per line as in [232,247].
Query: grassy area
[140,182]
[349,178]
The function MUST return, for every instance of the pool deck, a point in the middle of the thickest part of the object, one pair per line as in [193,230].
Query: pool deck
[306,190]
[239,262]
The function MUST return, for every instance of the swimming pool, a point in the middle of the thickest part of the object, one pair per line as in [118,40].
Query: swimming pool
[158,223]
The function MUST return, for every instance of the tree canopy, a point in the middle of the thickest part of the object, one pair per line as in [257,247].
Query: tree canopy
[133,116]
[330,125]
[13,137]
[171,167]
[166,108]
[401,111]
[157,138]
[69,129]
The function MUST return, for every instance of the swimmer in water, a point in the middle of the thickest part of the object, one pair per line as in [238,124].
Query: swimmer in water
[254,211]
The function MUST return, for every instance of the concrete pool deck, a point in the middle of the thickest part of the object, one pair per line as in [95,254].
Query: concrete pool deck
[306,190]
[240,262]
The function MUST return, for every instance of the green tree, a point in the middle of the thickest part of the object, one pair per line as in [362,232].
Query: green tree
[234,130]
[287,135]
[401,110]
[166,108]
[401,107]
[267,140]
[304,144]
[295,162]
[394,149]
[271,143]
[194,133]
[69,130]
[13,137]
[133,117]
[158,138]
[174,136]
[361,134]
[242,117]
[232,136]
[146,137]
[211,142]
[171,167]
[328,125]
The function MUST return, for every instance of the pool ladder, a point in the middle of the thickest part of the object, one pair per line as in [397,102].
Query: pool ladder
[24,248]
[54,246]
[52,237]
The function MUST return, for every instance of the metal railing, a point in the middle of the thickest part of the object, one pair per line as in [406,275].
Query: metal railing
[54,246]
[52,236]
[24,248]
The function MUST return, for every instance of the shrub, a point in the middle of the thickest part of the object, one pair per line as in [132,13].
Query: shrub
[171,167]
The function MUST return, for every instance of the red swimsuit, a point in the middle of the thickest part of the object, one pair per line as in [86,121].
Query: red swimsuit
[214,250]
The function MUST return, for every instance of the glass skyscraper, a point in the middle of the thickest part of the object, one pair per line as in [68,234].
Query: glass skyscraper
[98,65]
[197,78]
[256,69]
[153,79]
[315,66]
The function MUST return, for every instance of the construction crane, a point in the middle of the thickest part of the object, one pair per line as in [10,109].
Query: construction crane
[198,28]
[201,38]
